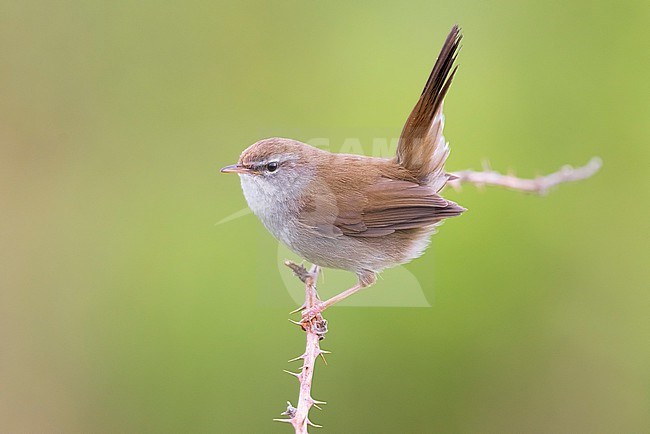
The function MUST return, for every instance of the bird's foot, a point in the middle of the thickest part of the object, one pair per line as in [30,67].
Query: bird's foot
[313,321]
[313,312]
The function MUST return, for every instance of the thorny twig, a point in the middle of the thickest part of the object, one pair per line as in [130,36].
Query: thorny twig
[315,331]
[539,185]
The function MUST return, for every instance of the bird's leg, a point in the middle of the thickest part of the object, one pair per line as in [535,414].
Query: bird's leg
[312,312]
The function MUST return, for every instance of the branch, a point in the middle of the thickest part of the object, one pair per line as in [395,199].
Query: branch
[315,331]
[539,185]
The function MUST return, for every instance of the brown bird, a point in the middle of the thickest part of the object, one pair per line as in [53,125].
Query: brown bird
[352,212]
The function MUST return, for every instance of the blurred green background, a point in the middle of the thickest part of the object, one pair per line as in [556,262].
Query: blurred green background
[124,308]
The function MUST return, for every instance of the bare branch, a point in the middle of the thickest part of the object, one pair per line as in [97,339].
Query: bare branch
[539,185]
[315,331]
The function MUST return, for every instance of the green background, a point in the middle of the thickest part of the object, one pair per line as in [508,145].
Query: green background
[124,308]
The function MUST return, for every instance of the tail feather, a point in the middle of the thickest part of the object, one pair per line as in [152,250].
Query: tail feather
[422,148]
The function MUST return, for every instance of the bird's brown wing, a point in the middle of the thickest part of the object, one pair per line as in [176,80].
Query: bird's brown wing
[422,148]
[375,210]
[391,205]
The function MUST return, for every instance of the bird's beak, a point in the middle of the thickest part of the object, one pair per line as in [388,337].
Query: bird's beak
[235,168]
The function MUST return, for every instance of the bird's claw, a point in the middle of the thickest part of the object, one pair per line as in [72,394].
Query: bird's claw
[312,313]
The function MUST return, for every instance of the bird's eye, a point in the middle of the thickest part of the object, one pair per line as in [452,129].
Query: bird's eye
[272,166]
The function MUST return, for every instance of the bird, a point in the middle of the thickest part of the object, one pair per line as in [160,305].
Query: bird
[352,212]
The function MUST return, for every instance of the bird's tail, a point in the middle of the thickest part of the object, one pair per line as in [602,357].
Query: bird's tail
[422,148]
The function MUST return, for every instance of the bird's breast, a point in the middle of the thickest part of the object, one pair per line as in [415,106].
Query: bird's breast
[276,208]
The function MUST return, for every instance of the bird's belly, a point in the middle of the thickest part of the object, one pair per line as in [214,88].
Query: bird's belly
[317,249]
[354,254]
